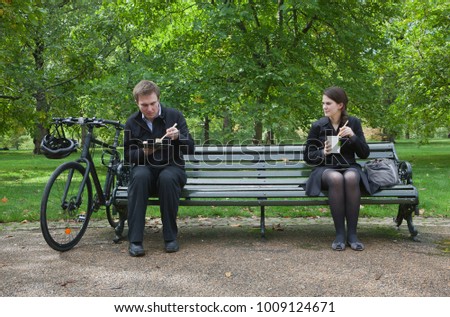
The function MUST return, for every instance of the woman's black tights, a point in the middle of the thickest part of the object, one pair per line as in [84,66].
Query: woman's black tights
[344,195]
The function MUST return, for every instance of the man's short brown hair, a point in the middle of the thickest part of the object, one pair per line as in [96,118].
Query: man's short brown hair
[144,88]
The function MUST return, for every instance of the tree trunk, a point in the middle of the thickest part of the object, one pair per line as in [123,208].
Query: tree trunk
[206,129]
[227,129]
[39,130]
[257,138]
[41,101]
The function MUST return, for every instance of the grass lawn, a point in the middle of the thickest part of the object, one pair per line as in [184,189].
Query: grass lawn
[23,177]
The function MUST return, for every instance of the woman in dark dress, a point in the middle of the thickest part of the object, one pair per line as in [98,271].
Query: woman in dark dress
[338,173]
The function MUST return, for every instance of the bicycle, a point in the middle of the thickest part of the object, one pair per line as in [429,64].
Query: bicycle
[68,202]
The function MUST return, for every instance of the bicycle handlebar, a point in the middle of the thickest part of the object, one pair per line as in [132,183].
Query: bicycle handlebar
[96,122]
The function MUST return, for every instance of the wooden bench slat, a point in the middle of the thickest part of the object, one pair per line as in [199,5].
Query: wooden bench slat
[250,165]
[249,181]
[374,146]
[242,174]
[271,160]
[243,157]
[274,202]
[292,193]
[249,148]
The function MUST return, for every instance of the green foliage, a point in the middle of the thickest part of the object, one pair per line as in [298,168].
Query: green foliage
[415,70]
[234,67]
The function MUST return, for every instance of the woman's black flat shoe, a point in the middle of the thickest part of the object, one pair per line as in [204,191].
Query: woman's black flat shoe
[338,246]
[357,246]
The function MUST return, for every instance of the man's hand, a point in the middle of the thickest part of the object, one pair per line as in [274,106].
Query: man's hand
[149,150]
[173,133]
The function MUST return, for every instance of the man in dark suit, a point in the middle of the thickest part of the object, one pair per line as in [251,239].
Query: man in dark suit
[157,164]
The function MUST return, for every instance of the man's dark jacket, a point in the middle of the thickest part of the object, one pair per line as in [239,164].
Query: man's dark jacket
[137,131]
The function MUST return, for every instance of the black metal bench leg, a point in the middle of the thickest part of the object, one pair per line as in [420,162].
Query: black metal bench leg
[263,223]
[405,212]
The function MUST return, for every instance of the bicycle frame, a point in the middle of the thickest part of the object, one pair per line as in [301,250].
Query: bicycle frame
[86,158]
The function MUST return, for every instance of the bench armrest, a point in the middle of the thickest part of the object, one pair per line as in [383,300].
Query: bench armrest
[405,172]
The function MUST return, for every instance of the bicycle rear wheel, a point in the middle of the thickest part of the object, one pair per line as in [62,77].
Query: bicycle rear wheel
[111,214]
[116,215]
[64,218]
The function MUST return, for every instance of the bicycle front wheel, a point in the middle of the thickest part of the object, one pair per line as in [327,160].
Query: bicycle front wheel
[66,206]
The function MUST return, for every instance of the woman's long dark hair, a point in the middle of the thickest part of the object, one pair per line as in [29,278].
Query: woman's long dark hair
[338,95]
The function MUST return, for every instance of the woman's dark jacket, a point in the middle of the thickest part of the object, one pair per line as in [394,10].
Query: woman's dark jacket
[137,131]
[356,145]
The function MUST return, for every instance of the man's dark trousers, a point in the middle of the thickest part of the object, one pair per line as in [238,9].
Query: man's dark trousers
[166,182]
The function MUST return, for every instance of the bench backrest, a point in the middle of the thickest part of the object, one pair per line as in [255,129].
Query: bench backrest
[257,165]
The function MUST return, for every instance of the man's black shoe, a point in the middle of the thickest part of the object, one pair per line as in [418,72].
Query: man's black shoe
[171,246]
[136,249]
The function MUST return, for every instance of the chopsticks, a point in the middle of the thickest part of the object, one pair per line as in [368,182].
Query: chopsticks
[345,124]
[168,132]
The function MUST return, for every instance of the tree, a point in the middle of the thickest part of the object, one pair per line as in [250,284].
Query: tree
[263,64]
[415,70]
[50,49]
[242,71]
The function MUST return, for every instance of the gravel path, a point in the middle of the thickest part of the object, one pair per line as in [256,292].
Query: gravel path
[226,257]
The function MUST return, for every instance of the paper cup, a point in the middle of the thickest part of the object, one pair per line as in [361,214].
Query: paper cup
[334,141]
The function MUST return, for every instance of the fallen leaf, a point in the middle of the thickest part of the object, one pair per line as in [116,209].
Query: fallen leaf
[4,200]
[67,282]
[277,227]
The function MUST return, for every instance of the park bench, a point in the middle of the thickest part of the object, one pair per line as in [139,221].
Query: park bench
[275,175]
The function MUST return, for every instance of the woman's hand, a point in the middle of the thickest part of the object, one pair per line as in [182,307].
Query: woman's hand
[327,148]
[346,132]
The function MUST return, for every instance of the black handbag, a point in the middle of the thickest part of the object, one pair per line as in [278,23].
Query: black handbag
[382,172]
